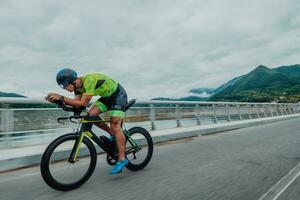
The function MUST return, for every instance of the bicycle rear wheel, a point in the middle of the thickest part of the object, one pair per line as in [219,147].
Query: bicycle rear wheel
[58,172]
[138,155]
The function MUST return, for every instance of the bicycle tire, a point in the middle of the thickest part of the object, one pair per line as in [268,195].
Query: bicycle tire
[136,167]
[44,166]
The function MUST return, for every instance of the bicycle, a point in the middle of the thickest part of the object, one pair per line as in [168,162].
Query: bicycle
[80,145]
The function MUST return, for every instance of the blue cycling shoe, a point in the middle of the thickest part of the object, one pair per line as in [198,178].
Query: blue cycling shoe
[119,167]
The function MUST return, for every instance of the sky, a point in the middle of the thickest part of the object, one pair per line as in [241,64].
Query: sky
[159,48]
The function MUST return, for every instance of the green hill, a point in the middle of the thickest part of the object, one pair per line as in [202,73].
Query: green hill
[263,84]
[4,94]
[188,98]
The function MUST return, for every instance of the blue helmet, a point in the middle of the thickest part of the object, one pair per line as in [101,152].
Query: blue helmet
[65,77]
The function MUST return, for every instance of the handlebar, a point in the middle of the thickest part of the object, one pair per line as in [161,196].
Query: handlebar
[76,110]
[70,118]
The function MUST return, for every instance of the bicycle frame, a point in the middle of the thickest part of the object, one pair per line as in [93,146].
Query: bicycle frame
[86,131]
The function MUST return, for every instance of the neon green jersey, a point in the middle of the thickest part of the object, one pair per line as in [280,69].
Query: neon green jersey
[97,84]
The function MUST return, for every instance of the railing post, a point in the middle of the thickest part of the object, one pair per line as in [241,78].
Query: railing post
[280,111]
[294,109]
[276,110]
[239,111]
[264,111]
[198,114]
[215,114]
[178,116]
[7,124]
[228,113]
[249,111]
[271,110]
[152,117]
[284,110]
[257,111]
[289,109]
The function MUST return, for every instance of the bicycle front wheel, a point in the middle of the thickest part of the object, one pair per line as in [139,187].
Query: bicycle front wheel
[61,174]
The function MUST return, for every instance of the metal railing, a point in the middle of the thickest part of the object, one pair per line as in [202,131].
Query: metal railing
[28,126]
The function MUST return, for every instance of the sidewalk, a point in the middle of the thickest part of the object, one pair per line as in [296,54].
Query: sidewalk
[27,156]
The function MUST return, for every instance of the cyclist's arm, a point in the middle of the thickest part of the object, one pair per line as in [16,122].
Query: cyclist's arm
[83,101]
[89,91]
[78,96]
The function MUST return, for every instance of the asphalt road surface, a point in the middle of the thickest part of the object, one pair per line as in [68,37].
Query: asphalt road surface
[240,164]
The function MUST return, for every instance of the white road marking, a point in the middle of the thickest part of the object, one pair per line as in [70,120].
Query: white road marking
[274,192]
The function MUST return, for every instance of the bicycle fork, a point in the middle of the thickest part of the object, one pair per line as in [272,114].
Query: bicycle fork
[77,144]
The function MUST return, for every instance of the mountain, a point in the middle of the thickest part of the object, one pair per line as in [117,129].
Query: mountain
[4,94]
[281,84]
[226,85]
[162,99]
[188,98]
[291,71]
[263,84]
[197,94]
[193,98]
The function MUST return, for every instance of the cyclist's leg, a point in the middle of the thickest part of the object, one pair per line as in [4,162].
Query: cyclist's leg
[117,114]
[97,109]
[115,125]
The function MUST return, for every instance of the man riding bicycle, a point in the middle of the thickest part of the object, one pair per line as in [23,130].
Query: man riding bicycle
[113,98]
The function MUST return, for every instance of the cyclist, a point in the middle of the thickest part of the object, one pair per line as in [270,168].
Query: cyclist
[113,98]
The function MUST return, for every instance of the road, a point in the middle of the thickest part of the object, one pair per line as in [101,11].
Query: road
[241,164]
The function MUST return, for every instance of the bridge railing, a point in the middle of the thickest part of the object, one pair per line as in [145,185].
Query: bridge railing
[28,126]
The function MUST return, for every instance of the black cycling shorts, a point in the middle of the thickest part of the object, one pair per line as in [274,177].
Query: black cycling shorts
[115,103]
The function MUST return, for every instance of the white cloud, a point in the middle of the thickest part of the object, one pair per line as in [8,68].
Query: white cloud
[202,95]
[154,48]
